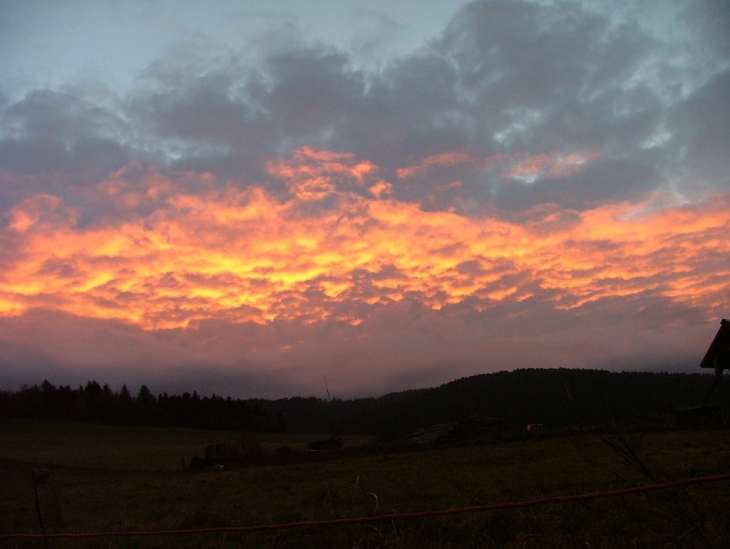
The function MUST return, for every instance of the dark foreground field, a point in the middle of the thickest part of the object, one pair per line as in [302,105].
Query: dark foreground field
[131,479]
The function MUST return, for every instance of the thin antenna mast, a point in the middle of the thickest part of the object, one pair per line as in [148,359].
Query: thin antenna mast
[329,398]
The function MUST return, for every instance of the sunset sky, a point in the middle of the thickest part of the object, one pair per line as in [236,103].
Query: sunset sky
[249,197]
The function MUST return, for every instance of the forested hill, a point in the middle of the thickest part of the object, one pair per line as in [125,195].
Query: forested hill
[556,398]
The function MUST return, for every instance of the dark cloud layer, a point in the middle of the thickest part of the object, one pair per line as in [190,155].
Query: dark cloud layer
[504,78]
[401,347]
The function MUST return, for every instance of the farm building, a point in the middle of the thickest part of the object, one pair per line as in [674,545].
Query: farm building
[716,358]
[718,354]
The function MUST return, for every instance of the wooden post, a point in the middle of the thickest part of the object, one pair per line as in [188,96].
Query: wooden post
[722,393]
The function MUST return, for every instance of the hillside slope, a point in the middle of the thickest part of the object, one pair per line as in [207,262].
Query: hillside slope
[557,398]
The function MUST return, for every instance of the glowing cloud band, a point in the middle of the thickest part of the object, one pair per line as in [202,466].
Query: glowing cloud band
[338,243]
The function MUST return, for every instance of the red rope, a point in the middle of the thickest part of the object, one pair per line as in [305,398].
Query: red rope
[419,514]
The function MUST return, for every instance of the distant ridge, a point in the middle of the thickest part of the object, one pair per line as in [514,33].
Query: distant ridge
[556,398]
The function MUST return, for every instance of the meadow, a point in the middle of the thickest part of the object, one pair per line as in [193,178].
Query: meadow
[114,478]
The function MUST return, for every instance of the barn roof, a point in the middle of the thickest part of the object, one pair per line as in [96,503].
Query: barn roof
[719,350]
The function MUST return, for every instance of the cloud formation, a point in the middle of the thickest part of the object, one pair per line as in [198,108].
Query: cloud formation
[558,170]
[338,239]
[337,248]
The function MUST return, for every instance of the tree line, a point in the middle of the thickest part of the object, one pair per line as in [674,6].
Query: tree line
[99,404]
[556,398]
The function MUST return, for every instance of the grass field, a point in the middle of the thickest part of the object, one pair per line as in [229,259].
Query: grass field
[89,446]
[122,479]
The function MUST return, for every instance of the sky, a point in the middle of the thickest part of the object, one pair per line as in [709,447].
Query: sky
[250,198]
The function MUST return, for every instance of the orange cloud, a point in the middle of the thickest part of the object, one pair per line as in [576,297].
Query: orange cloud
[313,174]
[247,255]
[515,166]
[435,160]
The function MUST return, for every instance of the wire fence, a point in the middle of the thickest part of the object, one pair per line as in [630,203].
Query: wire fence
[378,518]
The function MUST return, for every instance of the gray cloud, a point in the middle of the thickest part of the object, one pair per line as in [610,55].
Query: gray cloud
[701,124]
[505,77]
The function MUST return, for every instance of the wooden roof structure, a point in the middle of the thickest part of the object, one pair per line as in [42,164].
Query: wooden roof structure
[717,356]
